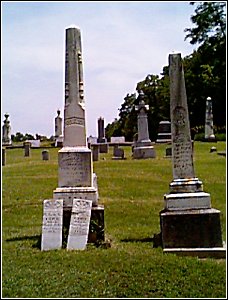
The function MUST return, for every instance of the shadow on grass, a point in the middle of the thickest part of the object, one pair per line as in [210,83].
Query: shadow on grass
[36,238]
[155,240]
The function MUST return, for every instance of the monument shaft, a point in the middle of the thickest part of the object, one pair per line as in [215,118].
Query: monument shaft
[180,128]
[74,111]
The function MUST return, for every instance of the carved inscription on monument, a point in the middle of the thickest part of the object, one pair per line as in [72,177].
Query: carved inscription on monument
[75,169]
[75,121]
[79,224]
[52,224]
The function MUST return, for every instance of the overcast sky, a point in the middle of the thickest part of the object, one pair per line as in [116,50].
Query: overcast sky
[122,42]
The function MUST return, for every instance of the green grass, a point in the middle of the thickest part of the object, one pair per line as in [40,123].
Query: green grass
[132,193]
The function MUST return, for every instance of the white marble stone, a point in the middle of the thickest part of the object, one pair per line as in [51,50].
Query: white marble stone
[79,224]
[52,224]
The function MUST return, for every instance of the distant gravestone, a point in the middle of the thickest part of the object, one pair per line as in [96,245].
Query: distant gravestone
[27,147]
[79,224]
[118,153]
[117,139]
[168,151]
[6,131]
[45,155]
[101,131]
[164,132]
[209,131]
[52,224]
[95,152]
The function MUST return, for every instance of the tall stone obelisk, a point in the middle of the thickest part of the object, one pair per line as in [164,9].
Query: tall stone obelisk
[188,223]
[209,131]
[76,179]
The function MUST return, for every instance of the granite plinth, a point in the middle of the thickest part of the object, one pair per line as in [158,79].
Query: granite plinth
[191,229]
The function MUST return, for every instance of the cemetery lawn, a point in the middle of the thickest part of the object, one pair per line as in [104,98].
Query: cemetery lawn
[132,193]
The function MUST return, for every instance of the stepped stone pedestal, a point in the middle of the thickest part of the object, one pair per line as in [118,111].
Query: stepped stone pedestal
[189,225]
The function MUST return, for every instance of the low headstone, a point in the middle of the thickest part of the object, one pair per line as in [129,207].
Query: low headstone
[118,153]
[103,147]
[52,224]
[213,149]
[45,155]
[95,152]
[27,147]
[79,224]
[3,156]
[168,151]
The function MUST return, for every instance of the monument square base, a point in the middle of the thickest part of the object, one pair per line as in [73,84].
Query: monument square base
[196,228]
[144,152]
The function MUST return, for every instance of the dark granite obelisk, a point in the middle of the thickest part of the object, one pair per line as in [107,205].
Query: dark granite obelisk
[188,223]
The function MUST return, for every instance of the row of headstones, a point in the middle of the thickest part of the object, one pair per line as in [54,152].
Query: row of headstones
[52,226]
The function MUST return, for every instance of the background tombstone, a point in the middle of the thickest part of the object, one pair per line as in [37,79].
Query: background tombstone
[58,130]
[6,132]
[27,149]
[143,147]
[164,132]
[3,156]
[52,224]
[45,155]
[95,152]
[101,131]
[168,152]
[188,223]
[75,176]
[209,131]
[118,153]
[79,224]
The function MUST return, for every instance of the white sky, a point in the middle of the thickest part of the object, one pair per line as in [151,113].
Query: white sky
[122,42]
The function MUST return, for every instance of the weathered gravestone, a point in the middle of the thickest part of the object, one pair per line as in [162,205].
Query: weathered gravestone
[164,132]
[52,224]
[75,178]
[188,223]
[45,155]
[143,147]
[6,132]
[95,152]
[27,149]
[118,153]
[79,224]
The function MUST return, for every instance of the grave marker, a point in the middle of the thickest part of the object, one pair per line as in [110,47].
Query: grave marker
[79,224]
[52,224]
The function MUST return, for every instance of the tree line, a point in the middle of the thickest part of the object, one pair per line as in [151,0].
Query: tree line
[205,76]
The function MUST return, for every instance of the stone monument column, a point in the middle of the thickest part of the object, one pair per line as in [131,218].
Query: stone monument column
[101,131]
[6,131]
[75,179]
[209,132]
[188,223]
[58,125]
[143,147]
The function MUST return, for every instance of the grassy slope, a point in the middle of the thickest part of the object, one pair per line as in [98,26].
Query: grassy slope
[132,193]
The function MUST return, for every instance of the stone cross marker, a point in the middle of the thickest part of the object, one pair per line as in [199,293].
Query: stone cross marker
[52,224]
[209,132]
[79,224]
